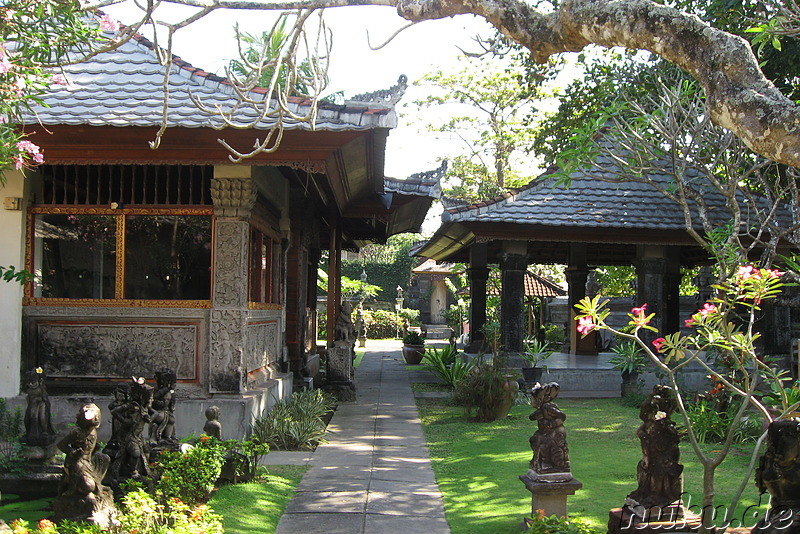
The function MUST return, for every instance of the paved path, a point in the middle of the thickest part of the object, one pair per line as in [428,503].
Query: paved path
[374,475]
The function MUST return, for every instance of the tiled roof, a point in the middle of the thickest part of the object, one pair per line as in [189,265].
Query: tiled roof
[588,202]
[433,267]
[426,184]
[123,87]
[535,286]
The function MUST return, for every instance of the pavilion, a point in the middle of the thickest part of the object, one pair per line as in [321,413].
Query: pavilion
[595,221]
[177,257]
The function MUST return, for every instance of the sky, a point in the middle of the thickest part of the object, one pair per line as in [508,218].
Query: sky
[354,68]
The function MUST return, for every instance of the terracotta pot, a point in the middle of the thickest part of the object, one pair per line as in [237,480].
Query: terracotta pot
[413,354]
[510,388]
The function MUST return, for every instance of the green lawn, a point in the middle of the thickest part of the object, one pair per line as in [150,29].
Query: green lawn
[477,464]
[256,507]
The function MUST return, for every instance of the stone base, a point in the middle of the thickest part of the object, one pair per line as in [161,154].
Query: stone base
[40,454]
[551,497]
[97,508]
[238,410]
[657,519]
[38,480]
[343,391]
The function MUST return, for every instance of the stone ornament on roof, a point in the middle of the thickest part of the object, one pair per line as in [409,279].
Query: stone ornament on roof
[390,96]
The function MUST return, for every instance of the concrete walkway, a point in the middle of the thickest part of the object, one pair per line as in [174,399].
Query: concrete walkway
[374,475]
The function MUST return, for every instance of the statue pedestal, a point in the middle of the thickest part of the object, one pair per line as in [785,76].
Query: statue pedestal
[339,376]
[672,518]
[551,497]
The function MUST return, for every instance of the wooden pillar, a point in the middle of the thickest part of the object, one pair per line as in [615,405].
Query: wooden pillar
[577,273]
[334,277]
[658,281]
[513,264]
[478,273]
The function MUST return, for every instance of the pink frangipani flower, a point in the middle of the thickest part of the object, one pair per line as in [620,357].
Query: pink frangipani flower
[585,325]
[658,342]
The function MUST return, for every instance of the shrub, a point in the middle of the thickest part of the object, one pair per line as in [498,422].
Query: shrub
[10,446]
[446,364]
[711,419]
[381,324]
[542,524]
[554,334]
[411,315]
[486,386]
[190,476]
[295,423]
[144,515]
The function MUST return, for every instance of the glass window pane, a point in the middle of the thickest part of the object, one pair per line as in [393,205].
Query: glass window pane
[168,257]
[75,256]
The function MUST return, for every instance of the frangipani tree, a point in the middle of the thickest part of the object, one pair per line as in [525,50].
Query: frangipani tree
[723,326]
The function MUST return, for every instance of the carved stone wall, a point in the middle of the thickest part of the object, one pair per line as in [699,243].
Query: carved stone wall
[262,346]
[230,263]
[114,343]
[225,371]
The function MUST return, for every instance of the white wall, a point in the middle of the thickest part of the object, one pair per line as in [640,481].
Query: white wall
[12,252]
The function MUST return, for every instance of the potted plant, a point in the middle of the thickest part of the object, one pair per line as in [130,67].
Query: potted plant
[628,359]
[535,353]
[489,389]
[413,347]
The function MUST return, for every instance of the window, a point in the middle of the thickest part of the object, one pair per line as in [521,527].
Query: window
[167,257]
[134,254]
[265,261]
[76,256]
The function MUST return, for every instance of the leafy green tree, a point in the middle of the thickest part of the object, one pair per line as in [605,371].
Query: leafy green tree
[491,101]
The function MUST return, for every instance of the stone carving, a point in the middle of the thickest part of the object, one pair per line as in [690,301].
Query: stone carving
[234,196]
[225,352]
[213,427]
[132,458]
[117,351]
[344,330]
[38,426]
[261,345]
[389,96]
[659,472]
[361,327]
[120,399]
[230,261]
[162,412]
[550,460]
[81,493]
[779,474]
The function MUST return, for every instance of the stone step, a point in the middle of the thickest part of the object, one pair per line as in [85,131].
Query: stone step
[437,331]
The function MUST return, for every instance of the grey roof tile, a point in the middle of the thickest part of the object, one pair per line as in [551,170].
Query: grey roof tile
[588,202]
[124,88]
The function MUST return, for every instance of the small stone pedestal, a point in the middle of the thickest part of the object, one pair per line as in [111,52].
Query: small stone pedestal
[551,497]
[339,377]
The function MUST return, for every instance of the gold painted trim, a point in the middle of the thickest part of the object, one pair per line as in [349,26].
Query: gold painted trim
[29,237]
[65,210]
[264,306]
[119,288]
[116,303]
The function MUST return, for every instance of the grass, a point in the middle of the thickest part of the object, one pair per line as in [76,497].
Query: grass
[32,511]
[256,507]
[359,356]
[477,464]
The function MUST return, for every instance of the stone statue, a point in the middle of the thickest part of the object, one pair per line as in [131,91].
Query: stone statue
[550,460]
[38,427]
[213,427]
[659,472]
[81,493]
[344,324]
[779,474]
[131,461]
[120,399]
[162,413]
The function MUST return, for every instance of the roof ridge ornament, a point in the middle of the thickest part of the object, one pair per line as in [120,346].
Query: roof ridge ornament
[390,96]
